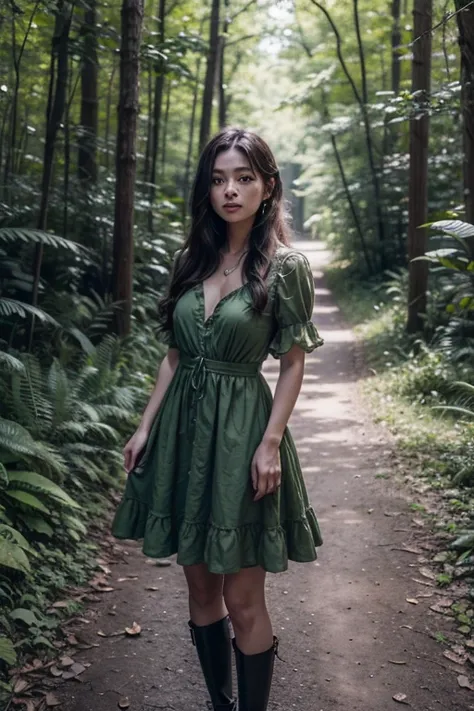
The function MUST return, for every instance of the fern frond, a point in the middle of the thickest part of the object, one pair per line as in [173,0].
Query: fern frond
[12,307]
[10,363]
[12,235]
[32,481]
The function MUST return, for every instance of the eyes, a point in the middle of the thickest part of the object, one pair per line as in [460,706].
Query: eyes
[243,179]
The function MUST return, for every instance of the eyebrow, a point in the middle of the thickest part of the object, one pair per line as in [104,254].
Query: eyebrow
[236,170]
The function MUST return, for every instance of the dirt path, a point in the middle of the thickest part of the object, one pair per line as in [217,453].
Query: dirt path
[342,621]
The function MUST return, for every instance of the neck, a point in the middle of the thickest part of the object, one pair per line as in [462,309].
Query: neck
[238,234]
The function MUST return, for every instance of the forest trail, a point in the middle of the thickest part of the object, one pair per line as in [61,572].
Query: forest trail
[342,621]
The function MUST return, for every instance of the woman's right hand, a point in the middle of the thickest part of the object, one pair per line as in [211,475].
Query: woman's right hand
[133,448]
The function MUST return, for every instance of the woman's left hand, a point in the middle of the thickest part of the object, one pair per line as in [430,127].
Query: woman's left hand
[266,470]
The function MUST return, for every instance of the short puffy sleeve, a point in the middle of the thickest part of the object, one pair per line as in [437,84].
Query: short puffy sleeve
[293,307]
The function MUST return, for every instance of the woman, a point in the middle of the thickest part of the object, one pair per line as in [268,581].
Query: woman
[219,482]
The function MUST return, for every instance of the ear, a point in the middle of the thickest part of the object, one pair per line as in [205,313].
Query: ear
[269,189]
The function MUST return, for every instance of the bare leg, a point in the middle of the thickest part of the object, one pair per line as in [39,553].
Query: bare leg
[206,602]
[244,595]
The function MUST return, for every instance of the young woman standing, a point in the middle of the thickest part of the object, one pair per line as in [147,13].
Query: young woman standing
[213,474]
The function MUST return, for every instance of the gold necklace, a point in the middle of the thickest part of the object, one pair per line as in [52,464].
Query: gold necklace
[232,269]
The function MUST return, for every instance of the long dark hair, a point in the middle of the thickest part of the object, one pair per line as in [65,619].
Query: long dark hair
[199,257]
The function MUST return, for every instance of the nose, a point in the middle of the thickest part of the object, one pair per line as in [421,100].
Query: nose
[230,190]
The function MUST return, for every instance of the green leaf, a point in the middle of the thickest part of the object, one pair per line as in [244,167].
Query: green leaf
[12,556]
[11,534]
[12,307]
[455,228]
[24,615]
[42,484]
[3,477]
[38,524]
[7,651]
[26,498]
[12,235]
[10,363]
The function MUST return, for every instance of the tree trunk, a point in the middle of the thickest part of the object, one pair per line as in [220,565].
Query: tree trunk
[209,82]
[192,124]
[165,129]
[157,108]
[11,148]
[122,282]
[54,115]
[396,42]
[88,130]
[221,67]
[418,180]
[107,114]
[465,18]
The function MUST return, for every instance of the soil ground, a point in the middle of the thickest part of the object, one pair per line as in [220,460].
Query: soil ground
[349,639]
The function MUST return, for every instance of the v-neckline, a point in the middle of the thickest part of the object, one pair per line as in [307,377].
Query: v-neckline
[207,319]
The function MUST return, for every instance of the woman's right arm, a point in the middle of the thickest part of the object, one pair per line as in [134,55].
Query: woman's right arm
[165,375]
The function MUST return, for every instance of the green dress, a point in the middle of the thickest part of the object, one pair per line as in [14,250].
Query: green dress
[191,491]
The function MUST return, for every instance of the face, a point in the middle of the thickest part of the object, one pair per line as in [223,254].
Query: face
[236,190]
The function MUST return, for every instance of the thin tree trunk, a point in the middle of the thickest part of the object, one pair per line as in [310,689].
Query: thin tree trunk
[192,124]
[221,67]
[370,150]
[54,116]
[122,279]
[165,129]
[396,42]
[88,130]
[108,113]
[209,82]
[377,207]
[465,18]
[10,156]
[157,107]
[146,162]
[347,192]
[67,153]
[418,180]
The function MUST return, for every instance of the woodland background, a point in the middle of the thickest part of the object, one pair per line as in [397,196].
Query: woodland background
[369,107]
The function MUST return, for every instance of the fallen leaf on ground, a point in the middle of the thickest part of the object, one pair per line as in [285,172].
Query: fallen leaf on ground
[395,661]
[101,634]
[439,608]
[66,661]
[123,703]
[127,577]
[453,657]
[134,629]
[20,686]
[412,600]
[51,699]
[151,587]
[401,698]
[427,573]
[464,682]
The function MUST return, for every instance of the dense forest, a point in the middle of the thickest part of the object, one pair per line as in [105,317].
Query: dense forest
[104,106]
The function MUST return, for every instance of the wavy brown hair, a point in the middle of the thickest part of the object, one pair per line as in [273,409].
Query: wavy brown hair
[200,254]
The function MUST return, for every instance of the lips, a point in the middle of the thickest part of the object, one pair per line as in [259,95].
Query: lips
[231,205]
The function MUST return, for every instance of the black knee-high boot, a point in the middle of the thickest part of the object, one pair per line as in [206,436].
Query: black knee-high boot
[213,645]
[254,677]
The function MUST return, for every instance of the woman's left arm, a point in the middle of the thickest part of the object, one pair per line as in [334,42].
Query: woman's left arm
[266,469]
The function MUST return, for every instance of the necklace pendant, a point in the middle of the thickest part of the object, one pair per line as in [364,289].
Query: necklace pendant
[226,272]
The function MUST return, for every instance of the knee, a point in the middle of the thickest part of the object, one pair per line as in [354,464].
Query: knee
[243,609]
[204,595]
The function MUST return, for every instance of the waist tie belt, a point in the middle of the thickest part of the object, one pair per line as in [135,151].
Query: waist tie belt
[200,366]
